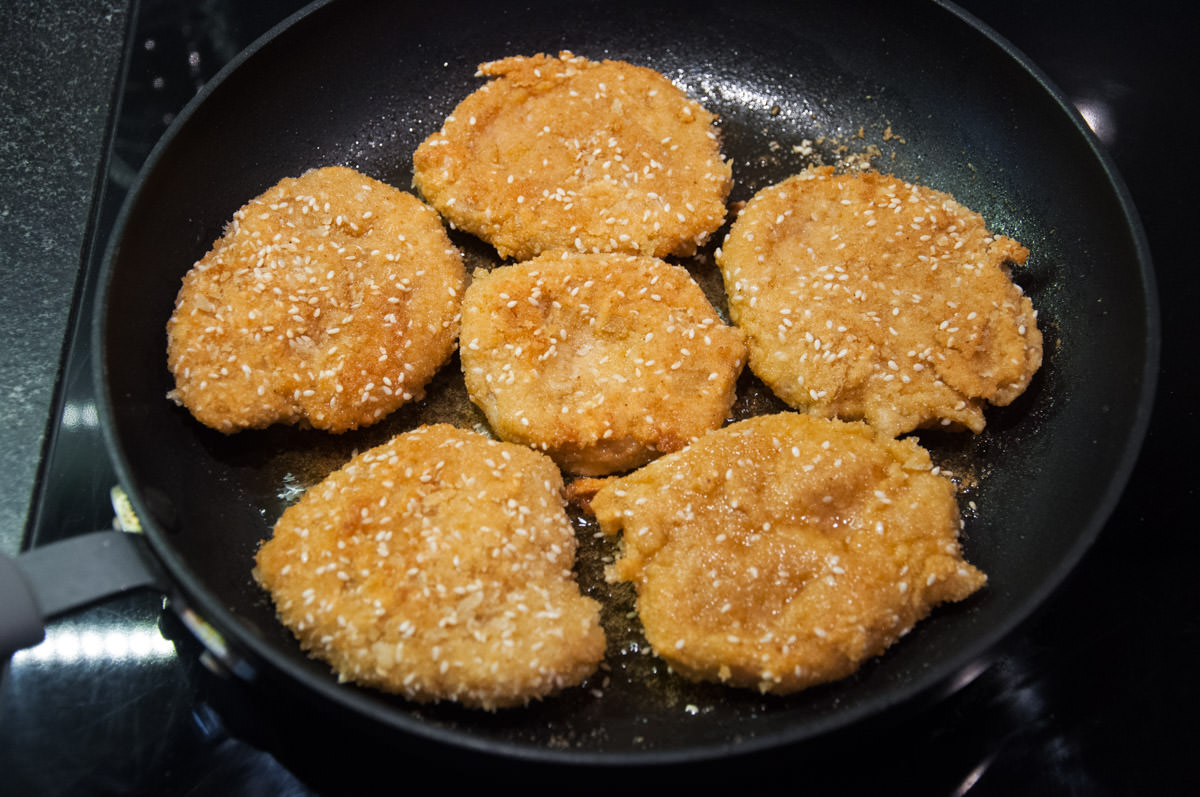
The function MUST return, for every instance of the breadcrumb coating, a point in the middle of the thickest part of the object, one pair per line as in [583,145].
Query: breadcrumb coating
[783,551]
[330,301]
[589,156]
[866,297]
[602,361]
[437,566]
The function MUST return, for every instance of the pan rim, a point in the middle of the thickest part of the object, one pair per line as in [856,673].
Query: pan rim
[932,681]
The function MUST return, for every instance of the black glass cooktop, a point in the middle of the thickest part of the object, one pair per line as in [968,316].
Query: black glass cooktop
[1092,697]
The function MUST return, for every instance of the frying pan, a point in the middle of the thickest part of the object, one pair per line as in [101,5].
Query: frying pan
[940,100]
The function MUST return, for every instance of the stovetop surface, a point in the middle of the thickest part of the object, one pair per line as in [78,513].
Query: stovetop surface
[1093,696]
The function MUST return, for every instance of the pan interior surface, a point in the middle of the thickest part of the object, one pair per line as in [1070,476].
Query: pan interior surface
[912,86]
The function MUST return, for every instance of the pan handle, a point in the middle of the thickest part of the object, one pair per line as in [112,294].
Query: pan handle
[50,580]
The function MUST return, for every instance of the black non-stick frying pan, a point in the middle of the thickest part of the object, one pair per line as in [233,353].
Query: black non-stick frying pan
[918,85]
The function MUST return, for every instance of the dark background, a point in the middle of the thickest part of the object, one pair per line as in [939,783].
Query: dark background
[1095,695]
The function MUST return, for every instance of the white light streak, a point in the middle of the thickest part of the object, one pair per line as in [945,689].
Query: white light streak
[74,646]
[1099,117]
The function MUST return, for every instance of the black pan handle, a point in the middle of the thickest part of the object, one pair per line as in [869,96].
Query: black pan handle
[53,579]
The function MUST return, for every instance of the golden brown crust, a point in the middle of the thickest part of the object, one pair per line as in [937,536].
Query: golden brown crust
[601,361]
[566,153]
[330,300]
[437,566]
[783,551]
[865,297]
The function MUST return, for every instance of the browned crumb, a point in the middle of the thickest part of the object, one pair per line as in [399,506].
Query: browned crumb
[580,491]
[783,551]
[437,566]
[330,300]
[866,297]
[601,361]
[566,153]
